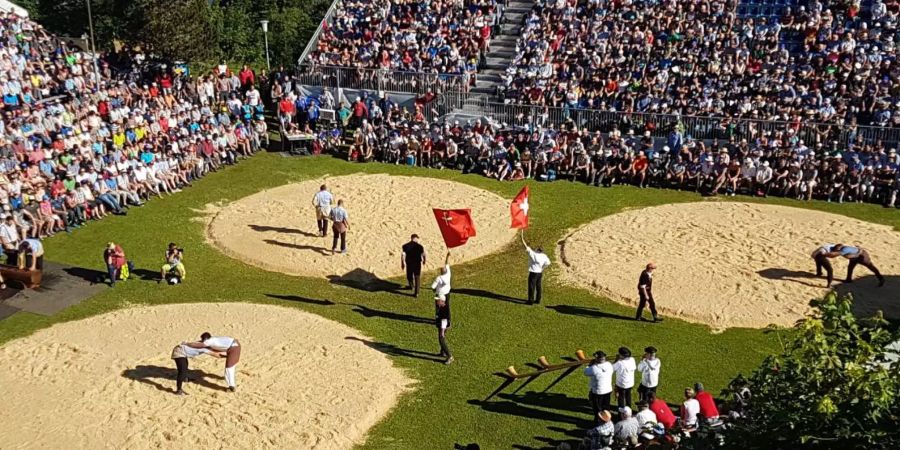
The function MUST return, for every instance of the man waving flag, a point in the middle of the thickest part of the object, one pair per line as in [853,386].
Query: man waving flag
[519,210]
[456,225]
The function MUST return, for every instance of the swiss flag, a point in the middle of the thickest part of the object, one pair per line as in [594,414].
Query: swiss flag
[519,210]
[456,225]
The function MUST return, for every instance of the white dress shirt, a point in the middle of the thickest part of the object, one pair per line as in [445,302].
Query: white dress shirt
[537,261]
[600,377]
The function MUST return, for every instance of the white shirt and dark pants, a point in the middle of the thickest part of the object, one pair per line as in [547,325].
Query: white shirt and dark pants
[600,374]
[649,369]
[441,288]
[322,202]
[537,262]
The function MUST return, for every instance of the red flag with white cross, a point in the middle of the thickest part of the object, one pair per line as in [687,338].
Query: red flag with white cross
[456,225]
[519,210]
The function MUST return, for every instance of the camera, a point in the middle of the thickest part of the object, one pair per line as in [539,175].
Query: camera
[180,249]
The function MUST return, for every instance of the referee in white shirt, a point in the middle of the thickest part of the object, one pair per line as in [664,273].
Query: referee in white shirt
[537,262]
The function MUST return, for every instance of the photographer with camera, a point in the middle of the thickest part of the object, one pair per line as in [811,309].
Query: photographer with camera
[174,258]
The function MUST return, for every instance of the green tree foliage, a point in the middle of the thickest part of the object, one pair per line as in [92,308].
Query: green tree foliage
[831,388]
[199,31]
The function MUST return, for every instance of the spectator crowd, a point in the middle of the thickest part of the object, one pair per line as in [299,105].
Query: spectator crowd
[818,61]
[77,145]
[444,36]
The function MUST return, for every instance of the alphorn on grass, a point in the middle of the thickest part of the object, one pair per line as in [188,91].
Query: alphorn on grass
[546,367]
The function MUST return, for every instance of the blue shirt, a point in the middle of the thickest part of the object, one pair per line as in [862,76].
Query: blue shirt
[322,198]
[848,251]
[37,248]
[339,214]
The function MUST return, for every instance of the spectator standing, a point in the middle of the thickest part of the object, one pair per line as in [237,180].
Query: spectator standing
[537,262]
[649,368]
[600,372]
[412,258]
[340,224]
[624,369]
[645,292]
[114,257]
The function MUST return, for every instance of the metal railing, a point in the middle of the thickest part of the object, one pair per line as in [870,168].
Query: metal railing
[660,125]
[381,79]
[314,40]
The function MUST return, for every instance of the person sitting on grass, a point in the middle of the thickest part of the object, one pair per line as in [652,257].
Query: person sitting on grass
[174,258]
[660,408]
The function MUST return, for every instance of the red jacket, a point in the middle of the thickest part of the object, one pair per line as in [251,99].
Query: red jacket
[663,413]
[246,77]
[708,407]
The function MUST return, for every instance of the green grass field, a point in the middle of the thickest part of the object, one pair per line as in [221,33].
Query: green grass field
[489,333]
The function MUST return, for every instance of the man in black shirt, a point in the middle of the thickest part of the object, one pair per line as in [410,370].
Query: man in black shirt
[412,259]
[645,291]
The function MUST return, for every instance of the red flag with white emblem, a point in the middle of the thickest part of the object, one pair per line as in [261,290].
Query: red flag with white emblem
[519,210]
[456,225]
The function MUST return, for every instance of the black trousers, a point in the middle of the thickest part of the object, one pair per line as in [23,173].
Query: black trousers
[412,278]
[866,261]
[447,300]
[182,365]
[39,264]
[442,340]
[623,397]
[644,392]
[646,300]
[822,262]
[599,402]
[323,226]
[534,287]
[342,237]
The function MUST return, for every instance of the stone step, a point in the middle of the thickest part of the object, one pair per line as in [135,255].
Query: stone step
[489,91]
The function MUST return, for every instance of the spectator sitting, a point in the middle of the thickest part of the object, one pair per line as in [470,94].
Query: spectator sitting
[645,417]
[627,428]
[690,409]
[601,436]
[9,237]
[708,409]
[661,411]
[174,258]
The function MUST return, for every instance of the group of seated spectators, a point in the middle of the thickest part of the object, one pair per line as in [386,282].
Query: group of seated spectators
[757,163]
[77,145]
[444,36]
[819,61]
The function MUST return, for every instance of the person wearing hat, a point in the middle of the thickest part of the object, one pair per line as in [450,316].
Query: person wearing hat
[645,292]
[412,258]
[114,257]
[624,368]
[442,322]
[649,368]
[645,417]
[627,428]
[600,373]
[601,436]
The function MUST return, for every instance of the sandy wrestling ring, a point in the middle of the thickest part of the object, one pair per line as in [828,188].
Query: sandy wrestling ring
[107,382]
[276,229]
[729,264]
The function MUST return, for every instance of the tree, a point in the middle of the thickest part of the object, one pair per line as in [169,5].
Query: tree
[831,388]
[172,29]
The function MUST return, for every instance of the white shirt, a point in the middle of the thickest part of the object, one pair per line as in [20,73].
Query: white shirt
[322,198]
[220,343]
[601,377]
[690,409]
[441,284]
[537,262]
[645,417]
[649,369]
[10,233]
[624,373]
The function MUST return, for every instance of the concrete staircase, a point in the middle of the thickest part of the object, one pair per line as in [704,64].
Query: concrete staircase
[503,48]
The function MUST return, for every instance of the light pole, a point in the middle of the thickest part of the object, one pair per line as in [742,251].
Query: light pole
[93,47]
[265,27]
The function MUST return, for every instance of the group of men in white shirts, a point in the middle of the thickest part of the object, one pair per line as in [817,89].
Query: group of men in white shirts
[600,372]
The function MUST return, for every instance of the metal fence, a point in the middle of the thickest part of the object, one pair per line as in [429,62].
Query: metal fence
[660,125]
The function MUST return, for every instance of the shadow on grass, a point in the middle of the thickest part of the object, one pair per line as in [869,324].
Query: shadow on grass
[363,280]
[297,298]
[365,311]
[554,401]
[869,298]
[515,409]
[588,312]
[283,230]
[393,350]
[150,374]
[319,250]
[489,295]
